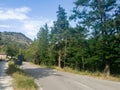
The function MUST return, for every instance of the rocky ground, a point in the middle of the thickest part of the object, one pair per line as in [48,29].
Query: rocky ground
[5,80]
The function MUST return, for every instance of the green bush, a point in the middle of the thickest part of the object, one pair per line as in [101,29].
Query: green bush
[12,68]
[21,81]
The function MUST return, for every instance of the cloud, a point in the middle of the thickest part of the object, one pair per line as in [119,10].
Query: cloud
[18,19]
[32,26]
[5,26]
[14,13]
[22,9]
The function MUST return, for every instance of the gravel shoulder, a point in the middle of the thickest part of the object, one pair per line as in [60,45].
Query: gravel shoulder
[5,80]
[49,79]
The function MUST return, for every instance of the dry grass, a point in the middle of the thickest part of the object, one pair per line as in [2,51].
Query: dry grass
[91,74]
[21,81]
[87,73]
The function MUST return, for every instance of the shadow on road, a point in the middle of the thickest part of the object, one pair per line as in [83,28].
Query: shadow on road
[41,72]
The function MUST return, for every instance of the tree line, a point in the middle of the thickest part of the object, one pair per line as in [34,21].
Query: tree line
[93,44]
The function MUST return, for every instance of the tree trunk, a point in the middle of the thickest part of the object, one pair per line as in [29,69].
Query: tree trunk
[107,69]
[83,65]
[59,60]
[76,65]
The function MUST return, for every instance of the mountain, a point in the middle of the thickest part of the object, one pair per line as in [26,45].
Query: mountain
[18,39]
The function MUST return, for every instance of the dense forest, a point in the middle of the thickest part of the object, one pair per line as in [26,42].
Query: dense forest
[93,44]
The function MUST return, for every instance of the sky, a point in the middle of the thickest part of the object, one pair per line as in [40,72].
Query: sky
[27,16]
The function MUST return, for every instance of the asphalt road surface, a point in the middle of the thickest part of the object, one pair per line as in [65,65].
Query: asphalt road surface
[49,79]
[5,80]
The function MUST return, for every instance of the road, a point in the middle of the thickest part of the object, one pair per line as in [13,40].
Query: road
[5,80]
[49,79]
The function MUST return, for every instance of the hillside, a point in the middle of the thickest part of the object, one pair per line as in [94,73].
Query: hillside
[18,39]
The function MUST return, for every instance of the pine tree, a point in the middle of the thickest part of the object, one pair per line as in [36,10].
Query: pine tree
[58,33]
[95,15]
[42,37]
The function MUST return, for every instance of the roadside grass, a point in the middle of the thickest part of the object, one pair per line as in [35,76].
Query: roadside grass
[96,74]
[91,74]
[21,81]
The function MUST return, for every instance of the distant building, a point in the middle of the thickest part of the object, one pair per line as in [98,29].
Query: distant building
[3,56]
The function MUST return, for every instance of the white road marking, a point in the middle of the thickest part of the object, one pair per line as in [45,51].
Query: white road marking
[85,86]
[81,84]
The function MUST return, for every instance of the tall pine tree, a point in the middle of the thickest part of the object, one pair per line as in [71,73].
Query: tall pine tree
[58,33]
[95,16]
[42,37]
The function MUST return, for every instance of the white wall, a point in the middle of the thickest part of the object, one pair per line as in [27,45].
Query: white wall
[2,57]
